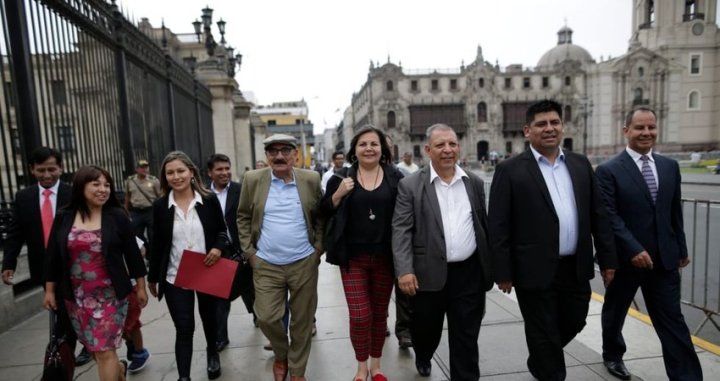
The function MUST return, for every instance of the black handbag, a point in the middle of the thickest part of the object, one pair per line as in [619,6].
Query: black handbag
[59,364]
[243,275]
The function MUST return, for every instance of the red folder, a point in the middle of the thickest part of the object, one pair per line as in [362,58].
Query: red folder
[214,280]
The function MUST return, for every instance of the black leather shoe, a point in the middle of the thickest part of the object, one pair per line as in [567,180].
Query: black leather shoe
[222,344]
[617,369]
[83,357]
[184,379]
[213,366]
[405,342]
[423,367]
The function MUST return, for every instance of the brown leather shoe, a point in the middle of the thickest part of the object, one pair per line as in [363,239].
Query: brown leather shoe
[280,370]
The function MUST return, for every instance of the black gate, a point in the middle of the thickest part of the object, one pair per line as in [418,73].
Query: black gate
[77,76]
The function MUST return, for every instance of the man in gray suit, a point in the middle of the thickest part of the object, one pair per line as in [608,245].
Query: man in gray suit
[443,276]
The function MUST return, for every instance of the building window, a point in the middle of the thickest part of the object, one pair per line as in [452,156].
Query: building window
[482,112]
[66,138]
[545,82]
[389,86]
[638,96]
[508,83]
[693,100]
[416,151]
[508,147]
[567,114]
[649,14]
[481,82]
[641,72]
[272,122]
[691,11]
[15,137]
[391,119]
[453,84]
[413,85]
[568,80]
[695,63]
[526,82]
[434,84]
[59,95]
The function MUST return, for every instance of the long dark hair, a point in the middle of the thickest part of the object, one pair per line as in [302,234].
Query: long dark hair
[196,183]
[82,177]
[386,156]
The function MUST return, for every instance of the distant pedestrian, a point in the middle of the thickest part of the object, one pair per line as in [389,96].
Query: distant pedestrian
[407,166]
[141,190]
[362,199]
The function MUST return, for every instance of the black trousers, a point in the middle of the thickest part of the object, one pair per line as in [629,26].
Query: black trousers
[463,301]
[141,220]
[553,317]
[661,291]
[181,304]
[403,311]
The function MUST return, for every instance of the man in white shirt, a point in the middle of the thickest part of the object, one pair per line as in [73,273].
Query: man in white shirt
[338,159]
[441,255]
[407,166]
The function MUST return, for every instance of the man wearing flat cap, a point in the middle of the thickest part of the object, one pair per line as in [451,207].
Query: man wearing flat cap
[280,234]
[141,190]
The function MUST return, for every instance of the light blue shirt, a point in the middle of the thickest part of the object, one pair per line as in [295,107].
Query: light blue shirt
[559,184]
[283,237]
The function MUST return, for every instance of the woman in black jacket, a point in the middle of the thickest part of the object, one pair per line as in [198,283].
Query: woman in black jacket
[92,255]
[362,199]
[187,217]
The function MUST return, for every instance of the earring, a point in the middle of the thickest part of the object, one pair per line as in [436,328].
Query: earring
[192,181]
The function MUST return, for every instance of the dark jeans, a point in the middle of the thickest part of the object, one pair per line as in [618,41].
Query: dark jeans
[141,221]
[402,313]
[181,304]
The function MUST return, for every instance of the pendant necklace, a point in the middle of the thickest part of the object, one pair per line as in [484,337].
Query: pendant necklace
[371,215]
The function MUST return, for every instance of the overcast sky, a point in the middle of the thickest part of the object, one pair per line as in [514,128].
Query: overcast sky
[321,50]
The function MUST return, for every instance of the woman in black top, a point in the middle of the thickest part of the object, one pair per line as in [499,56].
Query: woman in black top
[361,199]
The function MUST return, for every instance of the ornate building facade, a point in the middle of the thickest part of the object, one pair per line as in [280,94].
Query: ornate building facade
[671,66]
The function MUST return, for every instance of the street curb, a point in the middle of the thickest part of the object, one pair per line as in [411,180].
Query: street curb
[704,344]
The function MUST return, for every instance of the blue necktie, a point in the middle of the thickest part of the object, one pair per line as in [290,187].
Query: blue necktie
[647,174]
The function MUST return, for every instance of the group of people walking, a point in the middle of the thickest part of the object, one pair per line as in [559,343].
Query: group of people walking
[426,231]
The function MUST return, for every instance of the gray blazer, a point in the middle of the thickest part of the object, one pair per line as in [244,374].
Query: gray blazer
[418,239]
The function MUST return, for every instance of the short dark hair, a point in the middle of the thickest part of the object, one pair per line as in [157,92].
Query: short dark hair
[336,153]
[547,105]
[384,147]
[215,158]
[40,154]
[631,113]
[86,175]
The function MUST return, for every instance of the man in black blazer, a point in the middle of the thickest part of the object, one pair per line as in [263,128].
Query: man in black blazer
[27,228]
[642,192]
[228,192]
[545,210]
[441,255]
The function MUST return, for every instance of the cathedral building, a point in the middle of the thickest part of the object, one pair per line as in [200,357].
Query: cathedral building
[672,65]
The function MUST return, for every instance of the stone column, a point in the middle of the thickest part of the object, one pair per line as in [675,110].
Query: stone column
[212,74]
[242,135]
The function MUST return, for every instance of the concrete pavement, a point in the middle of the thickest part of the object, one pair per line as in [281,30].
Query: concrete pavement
[502,346]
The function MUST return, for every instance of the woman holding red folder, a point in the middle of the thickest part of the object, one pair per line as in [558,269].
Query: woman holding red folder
[187,217]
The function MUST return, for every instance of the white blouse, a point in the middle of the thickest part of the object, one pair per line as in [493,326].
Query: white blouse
[188,234]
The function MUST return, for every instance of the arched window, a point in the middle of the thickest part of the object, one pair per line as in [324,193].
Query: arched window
[389,85]
[693,100]
[568,81]
[391,119]
[641,71]
[567,114]
[638,95]
[482,112]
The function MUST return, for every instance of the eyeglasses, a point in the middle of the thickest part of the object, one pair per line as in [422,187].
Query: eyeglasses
[274,151]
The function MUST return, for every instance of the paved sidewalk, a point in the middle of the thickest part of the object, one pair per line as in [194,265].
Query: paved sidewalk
[502,346]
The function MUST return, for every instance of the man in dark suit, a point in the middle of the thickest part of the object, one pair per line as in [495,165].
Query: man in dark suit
[545,210]
[642,192]
[32,220]
[441,255]
[228,192]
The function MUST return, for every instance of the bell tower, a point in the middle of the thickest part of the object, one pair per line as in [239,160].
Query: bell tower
[660,23]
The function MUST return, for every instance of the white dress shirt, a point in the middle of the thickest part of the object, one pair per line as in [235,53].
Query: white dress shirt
[559,184]
[456,213]
[637,158]
[53,196]
[188,233]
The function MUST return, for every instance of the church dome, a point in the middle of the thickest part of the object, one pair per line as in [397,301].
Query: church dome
[564,50]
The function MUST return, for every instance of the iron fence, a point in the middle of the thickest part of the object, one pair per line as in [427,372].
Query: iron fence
[77,76]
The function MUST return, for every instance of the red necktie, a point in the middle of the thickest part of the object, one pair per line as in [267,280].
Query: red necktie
[46,214]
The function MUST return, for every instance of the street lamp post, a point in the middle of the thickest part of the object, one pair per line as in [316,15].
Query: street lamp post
[203,30]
